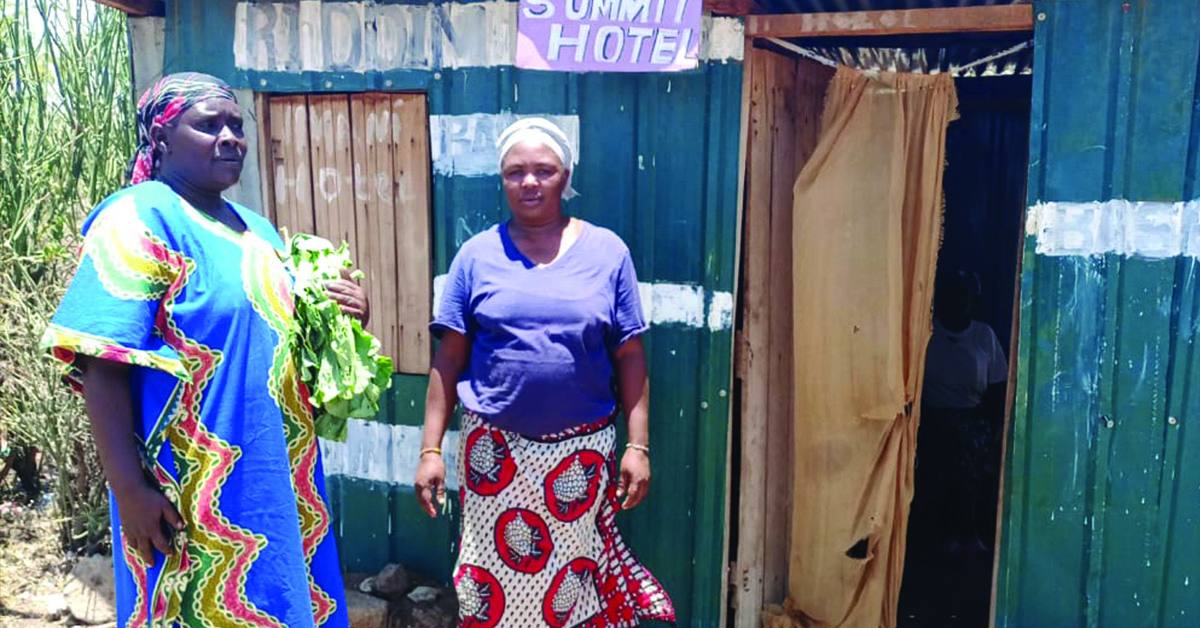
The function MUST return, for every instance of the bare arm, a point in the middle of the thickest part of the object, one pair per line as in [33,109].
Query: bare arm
[440,399]
[142,508]
[633,384]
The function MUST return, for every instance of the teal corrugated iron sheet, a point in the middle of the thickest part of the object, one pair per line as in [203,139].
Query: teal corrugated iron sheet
[1102,485]
[659,156]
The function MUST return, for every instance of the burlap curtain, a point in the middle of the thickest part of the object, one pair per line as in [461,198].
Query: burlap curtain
[867,227]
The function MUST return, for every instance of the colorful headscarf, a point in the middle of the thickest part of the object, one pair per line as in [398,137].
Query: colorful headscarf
[544,132]
[166,100]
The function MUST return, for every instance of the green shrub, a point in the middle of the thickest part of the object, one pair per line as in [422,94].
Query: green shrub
[66,134]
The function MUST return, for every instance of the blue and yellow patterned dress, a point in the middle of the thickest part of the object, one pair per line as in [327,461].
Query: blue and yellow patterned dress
[202,312]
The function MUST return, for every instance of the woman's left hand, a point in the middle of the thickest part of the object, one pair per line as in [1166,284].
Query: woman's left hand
[350,297]
[635,478]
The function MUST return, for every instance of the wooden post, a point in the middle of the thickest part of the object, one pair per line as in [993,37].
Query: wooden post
[985,19]
[748,595]
[778,503]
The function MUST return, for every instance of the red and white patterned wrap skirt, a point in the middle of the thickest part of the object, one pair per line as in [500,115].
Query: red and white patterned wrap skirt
[540,545]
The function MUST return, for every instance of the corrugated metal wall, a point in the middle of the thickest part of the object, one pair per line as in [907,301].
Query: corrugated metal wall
[659,156]
[1102,485]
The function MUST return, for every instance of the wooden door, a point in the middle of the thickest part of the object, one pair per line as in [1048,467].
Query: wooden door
[355,168]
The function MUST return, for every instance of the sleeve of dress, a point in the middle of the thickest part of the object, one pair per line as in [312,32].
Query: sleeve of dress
[114,306]
[997,364]
[453,308]
[628,318]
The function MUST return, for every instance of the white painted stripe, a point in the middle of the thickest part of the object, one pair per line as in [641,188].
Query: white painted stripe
[663,304]
[725,39]
[385,453]
[720,311]
[361,36]
[465,145]
[1151,230]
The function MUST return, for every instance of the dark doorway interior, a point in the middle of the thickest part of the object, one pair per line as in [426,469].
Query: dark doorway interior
[948,576]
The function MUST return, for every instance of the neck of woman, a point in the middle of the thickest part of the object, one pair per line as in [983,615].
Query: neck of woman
[206,201]
[540,230]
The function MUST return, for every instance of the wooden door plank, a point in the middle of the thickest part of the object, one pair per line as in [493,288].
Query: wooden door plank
[411,172]
[279,143]
[984,19]
[292,180]
[779,463]
[333,171]
[375,211]
[266,161]
[748,595]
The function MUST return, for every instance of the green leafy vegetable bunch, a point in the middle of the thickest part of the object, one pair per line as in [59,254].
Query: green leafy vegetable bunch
[339,361]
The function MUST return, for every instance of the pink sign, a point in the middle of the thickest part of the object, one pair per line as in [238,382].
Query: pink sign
[608,35]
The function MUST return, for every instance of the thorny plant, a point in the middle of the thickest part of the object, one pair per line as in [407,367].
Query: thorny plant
[66,133]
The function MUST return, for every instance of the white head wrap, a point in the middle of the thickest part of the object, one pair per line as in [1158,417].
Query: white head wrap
[546,133]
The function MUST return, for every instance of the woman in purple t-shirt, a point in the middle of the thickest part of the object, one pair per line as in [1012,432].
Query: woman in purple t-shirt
[539,316]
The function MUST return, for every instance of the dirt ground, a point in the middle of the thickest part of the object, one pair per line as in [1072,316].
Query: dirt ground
[32,567]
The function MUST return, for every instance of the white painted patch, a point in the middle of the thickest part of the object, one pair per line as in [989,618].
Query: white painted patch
[359,36]
[465,145]
[667,303]
[724,39]
[310,35]
[664,304]
[1151,230]
[720,311]
[385,453]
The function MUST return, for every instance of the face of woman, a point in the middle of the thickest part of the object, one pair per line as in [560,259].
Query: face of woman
[205,146]
[534,179]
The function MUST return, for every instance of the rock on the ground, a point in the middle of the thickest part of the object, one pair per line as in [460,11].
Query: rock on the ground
[53,605]
[421,595]
[90,592]
[431,617]
[392,582]
[354,580]
[366,611]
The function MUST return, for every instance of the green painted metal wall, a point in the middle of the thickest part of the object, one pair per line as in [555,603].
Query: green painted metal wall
[1102,485]
[659,156]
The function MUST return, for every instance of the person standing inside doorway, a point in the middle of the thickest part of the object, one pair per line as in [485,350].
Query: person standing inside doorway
[962,411]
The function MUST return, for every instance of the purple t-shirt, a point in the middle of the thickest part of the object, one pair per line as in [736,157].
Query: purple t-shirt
[541,336]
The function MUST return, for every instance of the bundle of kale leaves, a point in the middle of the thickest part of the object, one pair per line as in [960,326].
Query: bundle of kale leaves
[339,361]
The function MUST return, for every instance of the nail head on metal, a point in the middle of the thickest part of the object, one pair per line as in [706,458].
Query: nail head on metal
[1172,421]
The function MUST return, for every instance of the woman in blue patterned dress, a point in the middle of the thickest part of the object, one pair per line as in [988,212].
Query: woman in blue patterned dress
[175,328]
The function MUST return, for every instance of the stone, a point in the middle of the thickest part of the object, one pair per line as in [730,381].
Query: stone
[53,605]
[423,595]
[431,617]
[366,611]
[90,591]
[354,579]
[392,582]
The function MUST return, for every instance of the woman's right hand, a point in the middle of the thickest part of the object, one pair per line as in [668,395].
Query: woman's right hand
[148,520]
[431,483]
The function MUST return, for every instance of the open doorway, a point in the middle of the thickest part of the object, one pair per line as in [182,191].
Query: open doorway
[942,551]
[952,525]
